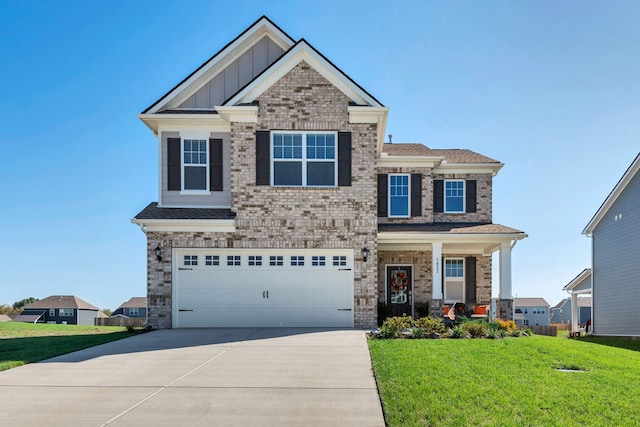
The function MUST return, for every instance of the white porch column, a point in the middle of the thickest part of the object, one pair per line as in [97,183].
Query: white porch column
[575,326]
[436,270]
[505,271]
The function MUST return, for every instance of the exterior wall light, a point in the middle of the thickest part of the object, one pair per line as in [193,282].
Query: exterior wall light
[158,253]
[365,254]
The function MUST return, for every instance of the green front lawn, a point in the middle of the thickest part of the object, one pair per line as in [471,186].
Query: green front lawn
[508,382]
[22,343]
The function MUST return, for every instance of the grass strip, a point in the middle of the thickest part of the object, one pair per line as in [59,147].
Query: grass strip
[22,343]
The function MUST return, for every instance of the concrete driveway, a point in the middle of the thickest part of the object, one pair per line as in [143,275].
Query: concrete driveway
[198,377]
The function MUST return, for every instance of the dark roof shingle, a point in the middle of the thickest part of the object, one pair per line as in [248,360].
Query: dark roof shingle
[456,155]
[152,211]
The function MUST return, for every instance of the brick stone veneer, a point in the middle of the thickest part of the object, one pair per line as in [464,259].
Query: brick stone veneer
[286,217]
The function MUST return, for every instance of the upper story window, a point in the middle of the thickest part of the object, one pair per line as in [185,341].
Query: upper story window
[195,164]
[454,196]
[399,196]
[304,159]
[134,311]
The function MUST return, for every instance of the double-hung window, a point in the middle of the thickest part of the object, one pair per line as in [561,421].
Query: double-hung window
[195,164]
[399,196]
[304,159]
[454,280]
[454,196]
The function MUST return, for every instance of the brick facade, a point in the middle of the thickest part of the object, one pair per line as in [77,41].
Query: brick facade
[278,217]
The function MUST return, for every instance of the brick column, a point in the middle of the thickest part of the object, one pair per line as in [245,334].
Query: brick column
[505,309]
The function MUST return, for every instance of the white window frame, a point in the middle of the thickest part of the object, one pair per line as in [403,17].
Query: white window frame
[408,215]
[454,280]
[304,159]
[464,196]
[133,311]
[65,312]
[52,312]
[192,137]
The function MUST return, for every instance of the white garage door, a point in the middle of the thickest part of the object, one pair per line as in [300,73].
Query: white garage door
[233,287]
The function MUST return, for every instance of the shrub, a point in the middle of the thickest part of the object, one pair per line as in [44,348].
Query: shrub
[394,326]
[457,332]
[431,325]
[475,329]
[422,309]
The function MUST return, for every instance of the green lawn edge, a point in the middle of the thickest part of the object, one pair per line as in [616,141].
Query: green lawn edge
[23,343]
[507,382]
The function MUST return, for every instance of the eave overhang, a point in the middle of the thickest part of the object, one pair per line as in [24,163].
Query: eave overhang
[373,115]
[453,243]
[629,174]
[239,113]
[386,161]
[578,284]
[462,168]
[186,225]
[155,122]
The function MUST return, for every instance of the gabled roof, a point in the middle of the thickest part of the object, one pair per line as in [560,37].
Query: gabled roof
[582,282]
[262,26]
[530,302]
[629,174]
[303,51]
[5,318]
[135,302]
[61,301]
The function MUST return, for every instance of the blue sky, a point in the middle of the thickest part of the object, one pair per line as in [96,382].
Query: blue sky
[549,88]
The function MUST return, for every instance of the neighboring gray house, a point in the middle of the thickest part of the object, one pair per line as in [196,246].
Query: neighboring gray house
[279,204]
[61,309]
[561,313]
[135,307]
[615,254]
[531,312]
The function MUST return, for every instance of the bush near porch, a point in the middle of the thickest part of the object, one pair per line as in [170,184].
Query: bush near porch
[508,382]
[429,327]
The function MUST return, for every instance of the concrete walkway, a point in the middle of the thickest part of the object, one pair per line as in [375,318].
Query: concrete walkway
[201,377]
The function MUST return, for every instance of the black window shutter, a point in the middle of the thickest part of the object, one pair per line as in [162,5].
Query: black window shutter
[438,195]
[383,195]
[215,165]
[470,194]
[173,164]
[344,158]
[263,157]
[416,194]
[470,278]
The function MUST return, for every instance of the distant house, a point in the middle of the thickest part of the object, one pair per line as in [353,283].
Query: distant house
[561,312]
[61,309]
[135,307]
[531,312]
[615,254]
[5,318]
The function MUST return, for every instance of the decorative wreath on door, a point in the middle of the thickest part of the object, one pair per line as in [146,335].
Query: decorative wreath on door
[399,281]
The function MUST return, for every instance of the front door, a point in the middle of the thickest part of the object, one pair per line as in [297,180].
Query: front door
[399,290]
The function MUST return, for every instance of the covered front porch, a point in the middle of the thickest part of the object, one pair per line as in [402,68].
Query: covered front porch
[423,267]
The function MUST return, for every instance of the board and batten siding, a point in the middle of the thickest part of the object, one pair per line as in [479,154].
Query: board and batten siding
[235,76]
[216,198]
[616,266]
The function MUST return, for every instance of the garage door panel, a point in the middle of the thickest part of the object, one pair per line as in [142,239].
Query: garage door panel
[239,294]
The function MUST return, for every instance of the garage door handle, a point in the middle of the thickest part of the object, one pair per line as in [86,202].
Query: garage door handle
[263,294]
[182,268]
[184,309]
[267,294]
[344,269]
[344,309]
